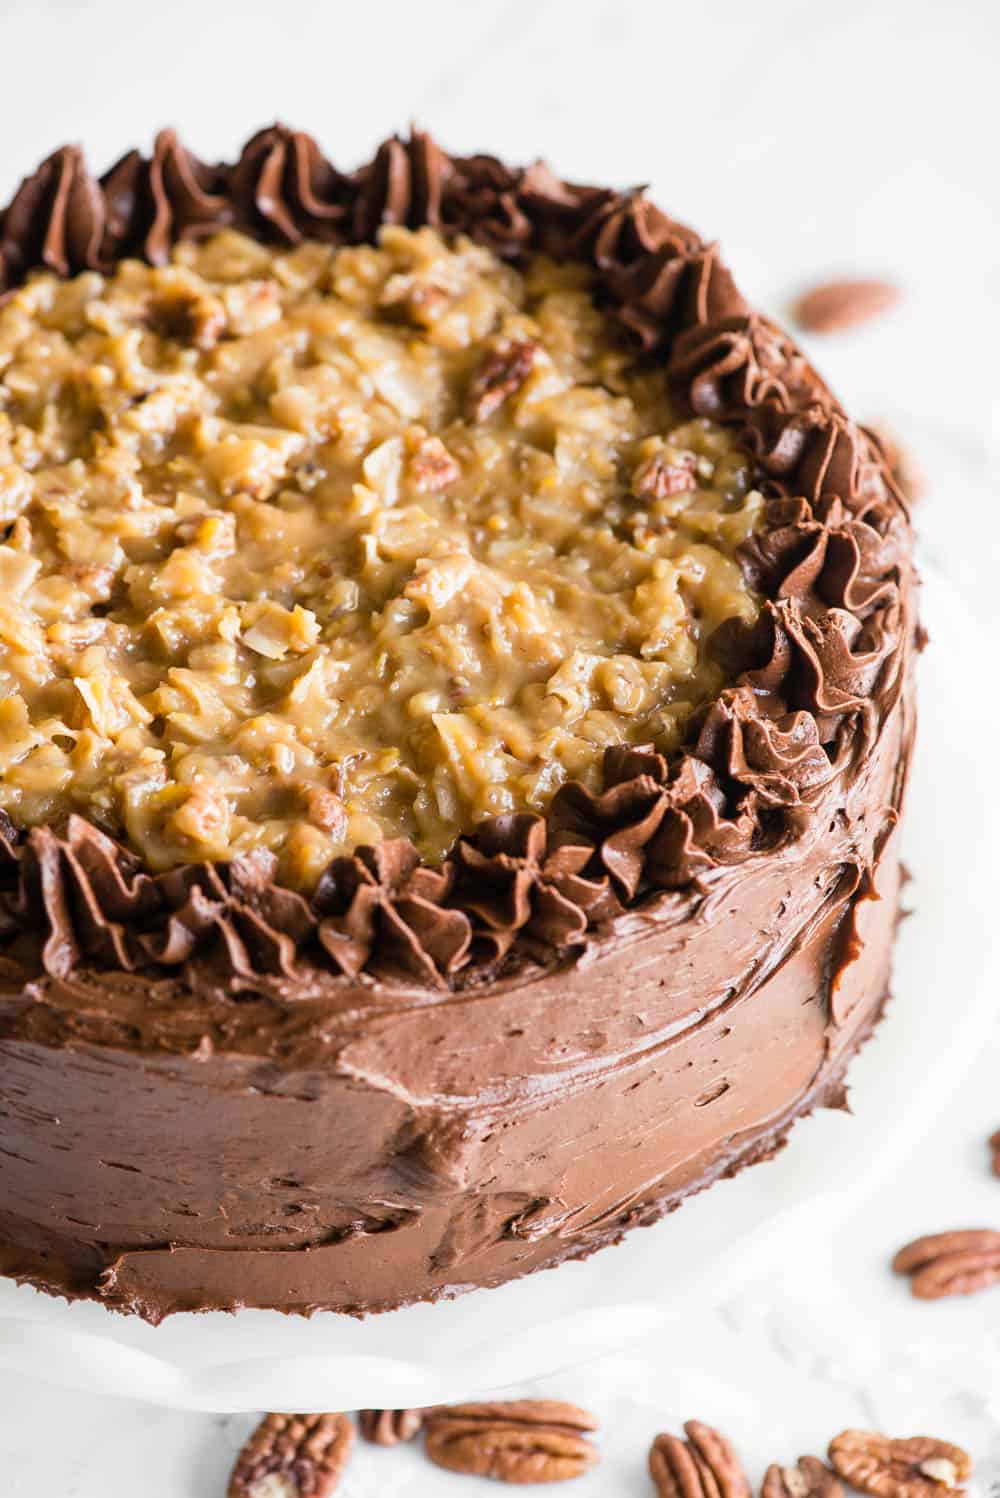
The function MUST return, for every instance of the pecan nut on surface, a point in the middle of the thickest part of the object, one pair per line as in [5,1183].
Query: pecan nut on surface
[702,1466]
[808,1478]
[994,1144]
[390,1427]
[518,1440]
[914,1467]
[501,374]
[958,1263]
[293,1456]
[836,305]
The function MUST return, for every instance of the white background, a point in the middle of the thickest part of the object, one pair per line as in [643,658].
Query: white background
[856,138]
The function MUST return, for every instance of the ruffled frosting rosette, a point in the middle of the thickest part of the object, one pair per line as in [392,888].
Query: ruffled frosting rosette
[811,683]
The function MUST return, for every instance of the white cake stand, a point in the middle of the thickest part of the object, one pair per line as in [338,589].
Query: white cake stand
[944,1001]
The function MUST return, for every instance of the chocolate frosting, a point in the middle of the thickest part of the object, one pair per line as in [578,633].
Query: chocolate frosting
[829,561]
[94,947]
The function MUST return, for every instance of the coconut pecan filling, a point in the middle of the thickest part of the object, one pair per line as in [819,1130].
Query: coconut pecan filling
[305,549]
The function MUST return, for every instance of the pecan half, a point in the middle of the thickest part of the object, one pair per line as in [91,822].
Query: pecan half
[809,1478]
[958,1263]
[518,1440]
[390,1427]
[836,305]
[293,1456]
[994,1143]
[703,1466]
[501,374]
[917,1467]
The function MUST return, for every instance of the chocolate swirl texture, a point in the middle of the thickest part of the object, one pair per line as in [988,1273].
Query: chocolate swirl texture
[229,987]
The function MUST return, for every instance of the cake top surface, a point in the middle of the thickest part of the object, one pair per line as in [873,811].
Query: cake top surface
[306,548]
[818,619]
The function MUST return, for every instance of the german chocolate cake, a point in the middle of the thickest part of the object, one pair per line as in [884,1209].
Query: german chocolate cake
[455,707]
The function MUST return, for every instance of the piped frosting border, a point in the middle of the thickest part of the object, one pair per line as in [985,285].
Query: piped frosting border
[811,683]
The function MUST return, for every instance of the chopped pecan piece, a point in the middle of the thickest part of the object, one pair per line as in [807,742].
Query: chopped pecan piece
[917,1467]
[293,1456]
[809,1478]
[703,1466]
[410,299]
[501,374]
[95,579]
[188,317]
[658,478]
[204,815]
[432,466]
[390,1427]
[958,1263]
[325,810]
[836,305]
[519,1440]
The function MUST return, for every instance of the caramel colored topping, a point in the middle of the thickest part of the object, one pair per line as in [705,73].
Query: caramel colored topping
[307,548]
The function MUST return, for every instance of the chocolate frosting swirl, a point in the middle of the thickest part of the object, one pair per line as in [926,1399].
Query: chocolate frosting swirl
[811,683]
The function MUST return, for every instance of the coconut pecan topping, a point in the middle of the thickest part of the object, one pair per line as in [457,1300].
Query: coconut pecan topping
[390,1427]
[293,1456]
[916,1467]
[958,1263]
[501,374]
[521,1440]
[836,305]
[703,1466]
[328,580]
[809,1478]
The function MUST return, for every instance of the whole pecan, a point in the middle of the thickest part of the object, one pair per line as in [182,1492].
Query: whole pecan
[703,1466]
[293,1456]
[916,1467]
[501,374]
[835,305]
[518,1440]
[958,1263]
[390,1427]
[809,1478]
[994,1142]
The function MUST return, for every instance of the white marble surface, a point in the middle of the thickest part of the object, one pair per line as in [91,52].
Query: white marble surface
[857,138]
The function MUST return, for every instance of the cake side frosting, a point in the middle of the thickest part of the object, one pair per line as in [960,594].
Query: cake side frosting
[398,1150]
[449,1029]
